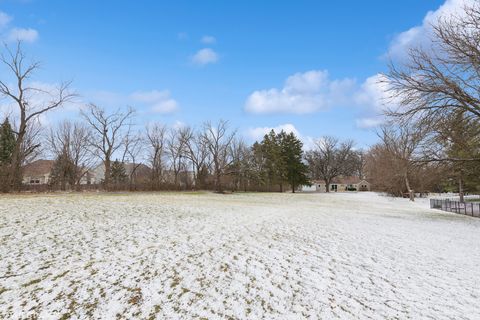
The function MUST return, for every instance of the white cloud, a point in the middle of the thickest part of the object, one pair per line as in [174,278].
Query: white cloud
[367,123]
[373,98]
[158,101]
[420,35]
[205,56]
[23,34]
[374,93]
[302,93]
[4,19]
[258,133]
[178,125]
[313,91]
[208,39]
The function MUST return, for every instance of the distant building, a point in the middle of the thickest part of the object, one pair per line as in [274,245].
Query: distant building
[339,184]
[138,172]
[38,172]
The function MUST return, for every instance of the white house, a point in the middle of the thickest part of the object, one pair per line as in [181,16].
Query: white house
[339,184]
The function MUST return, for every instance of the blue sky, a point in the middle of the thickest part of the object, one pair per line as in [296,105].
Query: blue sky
[307,66]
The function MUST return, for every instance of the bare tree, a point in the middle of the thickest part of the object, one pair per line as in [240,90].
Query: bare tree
[32,144]
[218,140]
[438,81]
[69,142]
[331,158]
[108,133]
[404,144]
[360,162]
[156,141]
[22,93]
[175,151]
[197,153]
[134,145]
[239,169]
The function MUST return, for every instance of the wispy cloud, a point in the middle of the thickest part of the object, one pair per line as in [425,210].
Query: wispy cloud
[158,101]
[23,34]
[152,101]
[13,33]
[205,56]
[4,19]
[208,40]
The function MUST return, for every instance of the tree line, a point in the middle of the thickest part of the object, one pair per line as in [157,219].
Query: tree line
[212,156]
[429,143]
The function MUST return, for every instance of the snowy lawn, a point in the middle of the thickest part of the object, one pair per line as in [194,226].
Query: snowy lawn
[241,256]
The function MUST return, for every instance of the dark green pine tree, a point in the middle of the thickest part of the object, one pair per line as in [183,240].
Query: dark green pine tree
[295,171]
[7,143]
[118,175]
[274,165]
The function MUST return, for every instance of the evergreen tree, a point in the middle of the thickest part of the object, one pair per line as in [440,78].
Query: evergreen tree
[7,143]
[295,171]
[460,138]
[257,163]
[118,174]
[279,158]
[274,163]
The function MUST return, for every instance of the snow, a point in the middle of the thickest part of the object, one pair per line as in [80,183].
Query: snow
[203,255]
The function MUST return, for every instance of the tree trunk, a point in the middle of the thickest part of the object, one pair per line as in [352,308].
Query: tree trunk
[327,186]
[460,189]
[106,179]
[410,191]
[217,182]
[17,160]
[63,182]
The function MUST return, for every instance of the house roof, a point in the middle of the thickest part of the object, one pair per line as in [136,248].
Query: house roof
[38,168]
[141,170]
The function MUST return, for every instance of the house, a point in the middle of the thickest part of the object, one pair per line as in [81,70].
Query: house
[138,172]
[339,184]
[38,172]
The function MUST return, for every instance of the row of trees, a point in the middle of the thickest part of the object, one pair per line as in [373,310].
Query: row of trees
[430,143]
[215,156]
[211,156]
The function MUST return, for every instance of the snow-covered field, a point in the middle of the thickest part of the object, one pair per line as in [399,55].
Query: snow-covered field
[241,256]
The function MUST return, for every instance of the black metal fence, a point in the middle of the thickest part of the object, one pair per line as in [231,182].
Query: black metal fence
[467,208]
